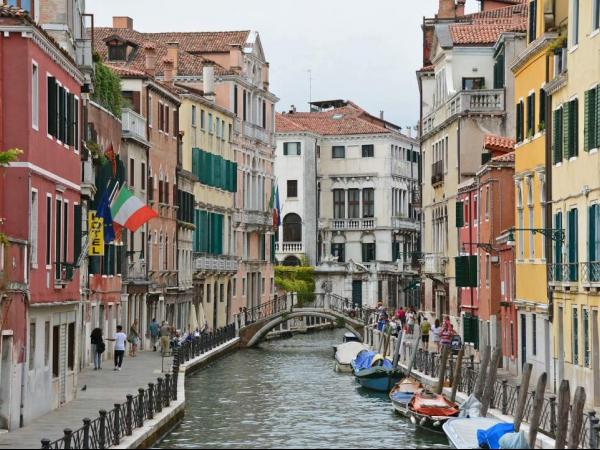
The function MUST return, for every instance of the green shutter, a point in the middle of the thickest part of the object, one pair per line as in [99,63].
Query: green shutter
[235,177]
[224,184]
[557,128]
[542,109]
[77,233]
[519,124]
[460,215]
[461,264]
[273,248]
[52,107]
[196,162]
[597,117]
[566,130]
[587,135]
[533,114]
[592,233]
[473,271]
[574,127]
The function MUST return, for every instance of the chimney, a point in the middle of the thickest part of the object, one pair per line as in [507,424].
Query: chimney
[123,22]
[292,109]
[381,114]
[460,8]
[173,55]
[208,78]
[235,57]
[169,69]
[150,53]
[447,9]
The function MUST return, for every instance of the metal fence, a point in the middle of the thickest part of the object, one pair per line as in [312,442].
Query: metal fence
[110,427]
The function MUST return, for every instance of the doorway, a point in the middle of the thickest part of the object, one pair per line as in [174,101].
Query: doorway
[523,340]
[6,382]
[357,298]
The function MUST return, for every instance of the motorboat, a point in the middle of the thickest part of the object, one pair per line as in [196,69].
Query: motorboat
[430,410]
[350,337]
[375,372]
[345,353]
[462,432]
[403,392]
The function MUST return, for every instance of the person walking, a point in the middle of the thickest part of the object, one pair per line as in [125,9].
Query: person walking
[98,347]
[165,336]
[436,334]
[447,334]
[120,340]
[134,338]
[154,333]
[425,330]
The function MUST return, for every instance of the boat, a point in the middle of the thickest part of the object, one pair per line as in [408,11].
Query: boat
[375,372]
[345,353]
[462,432]
[402,393]
[431,411]
[350,337]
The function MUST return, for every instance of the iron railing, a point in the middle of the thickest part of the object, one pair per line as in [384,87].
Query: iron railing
[563,273]
[590,272]
[110,427]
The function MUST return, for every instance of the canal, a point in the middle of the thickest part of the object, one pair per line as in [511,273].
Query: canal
[286,394]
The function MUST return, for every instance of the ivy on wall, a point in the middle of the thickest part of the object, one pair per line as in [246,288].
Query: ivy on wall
[107,88]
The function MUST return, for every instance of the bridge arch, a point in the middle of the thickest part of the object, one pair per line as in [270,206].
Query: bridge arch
[284,317]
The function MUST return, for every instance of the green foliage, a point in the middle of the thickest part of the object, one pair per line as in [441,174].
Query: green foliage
[558,43]
[9,156]
[340,323]
[107,89]
[299,280]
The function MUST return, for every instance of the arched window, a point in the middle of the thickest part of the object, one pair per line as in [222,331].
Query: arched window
[291,261]
[292,228]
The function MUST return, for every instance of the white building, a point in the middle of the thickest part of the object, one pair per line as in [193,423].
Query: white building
[348,181]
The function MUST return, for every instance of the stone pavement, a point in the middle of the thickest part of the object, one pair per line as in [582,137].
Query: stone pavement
[104,389]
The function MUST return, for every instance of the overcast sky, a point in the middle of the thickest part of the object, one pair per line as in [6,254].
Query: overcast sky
[366,51]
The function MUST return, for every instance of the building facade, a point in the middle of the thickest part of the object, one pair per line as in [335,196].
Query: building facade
[366,176]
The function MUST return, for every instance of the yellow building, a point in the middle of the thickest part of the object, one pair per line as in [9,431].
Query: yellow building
[575,270]
[207,157]
[532,71]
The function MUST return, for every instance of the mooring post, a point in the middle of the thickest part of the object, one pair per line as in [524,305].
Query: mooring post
[490,382]
[577,418]
[522,398]
[564,398]
[456,379]
[485,362]
[538,407]
[442,369]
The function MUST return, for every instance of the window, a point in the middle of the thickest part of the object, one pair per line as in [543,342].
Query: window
[575,337]
[487,270]
[368,203]
[27,5]
[534,331]
[46,344]
[35,97]
[117,52]
[71,346]
[572,244]
[542,113]
[557,139]
[353,203]
[52,102]
[339,251]
[499,70]
[368,151]
[475,211]
[55,351]
[210,123]
[291,149]
[532,20]
[586,337]
[292,188]
[487,203]
[471,84]
[202,120]
[339,204]
[292,228]
[33,229]
[368,252]
[591,120]
[338,152]
[194,116]
[32,345]
[575,24]
[131,172]
[48,231]
[530,115]
[143,174]
[235,100]
[596,15]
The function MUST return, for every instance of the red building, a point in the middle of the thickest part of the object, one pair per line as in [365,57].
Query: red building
[40,92]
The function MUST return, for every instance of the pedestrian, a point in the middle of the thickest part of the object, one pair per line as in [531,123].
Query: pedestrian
[154,333]
[402,316]
[425,330]
[133,338]
[447,334]
[120,340]
[98,347]
[410,321]
[436,334]
[165,335]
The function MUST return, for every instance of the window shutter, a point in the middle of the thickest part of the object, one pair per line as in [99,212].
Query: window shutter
[77,233]
[461,264]
[557,131]
[460,215]
[224,184]
[519,124]
[542,108]
[566,129]
[70,119]
[532,113]
[52,107]
[574,127]
[597,117]
[588,137]
[592,233]
[196,162]
[473,271]
[62,130]
[235,175]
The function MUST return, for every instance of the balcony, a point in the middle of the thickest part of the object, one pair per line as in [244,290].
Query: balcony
[353,224]
[481,101]
[136,272]
[134,126]
[405,224]
[563,274]
[289,247]
[253,218]
[437,172]
[434,264]
[258,133]
[415,200]
[204,262]
[590,274]
[83,53]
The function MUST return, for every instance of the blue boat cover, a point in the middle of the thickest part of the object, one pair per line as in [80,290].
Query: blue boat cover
[364,360]
[490,438]
[402,397]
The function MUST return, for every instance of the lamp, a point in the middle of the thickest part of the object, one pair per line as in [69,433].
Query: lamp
[510,242]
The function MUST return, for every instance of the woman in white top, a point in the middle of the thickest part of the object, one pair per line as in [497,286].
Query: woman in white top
[436,332]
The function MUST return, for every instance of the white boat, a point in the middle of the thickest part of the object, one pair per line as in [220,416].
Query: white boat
[345,353]
[462,433]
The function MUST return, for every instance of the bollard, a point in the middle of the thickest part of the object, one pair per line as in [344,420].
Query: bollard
[102,431]
[46,444]
[159,395]
[86,434]
[505,397]
[67,439]
[129,415]
[593,442]
[117,425]
[174,383]
[552,400]
[150,401]
[167,390]
[140,410]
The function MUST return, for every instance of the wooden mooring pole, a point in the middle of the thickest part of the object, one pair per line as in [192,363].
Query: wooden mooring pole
[442,370]
[456,379]
[564,397]
[538,406]
[490,382]
[522,399]
[576,418]
[485,362]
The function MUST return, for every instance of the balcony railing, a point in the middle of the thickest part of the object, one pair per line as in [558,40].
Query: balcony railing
[476,101]
[134,125]
[437,172]
[406,224]
[252,131]
[563,273]
[289,247]
[590,273]
[204,262]
[434,264]
[253,218]
[136,271]
[353,224]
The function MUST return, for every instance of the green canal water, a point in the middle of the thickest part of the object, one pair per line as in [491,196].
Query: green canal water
[286,394]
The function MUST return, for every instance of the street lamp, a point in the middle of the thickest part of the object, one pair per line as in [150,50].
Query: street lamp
[557,235]
[489,248]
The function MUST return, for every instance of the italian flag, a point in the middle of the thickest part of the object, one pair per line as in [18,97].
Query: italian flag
[129,211]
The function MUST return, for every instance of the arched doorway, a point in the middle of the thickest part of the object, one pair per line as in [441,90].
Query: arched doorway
[291,261]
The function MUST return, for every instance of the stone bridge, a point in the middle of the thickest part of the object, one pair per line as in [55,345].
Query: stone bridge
[256,323]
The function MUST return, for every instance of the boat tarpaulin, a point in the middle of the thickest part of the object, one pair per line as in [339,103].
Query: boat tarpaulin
[514,441]
[490,438]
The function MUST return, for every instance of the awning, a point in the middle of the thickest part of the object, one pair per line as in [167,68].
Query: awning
[193,319]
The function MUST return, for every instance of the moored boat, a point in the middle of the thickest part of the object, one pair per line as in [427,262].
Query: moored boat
[402,393]
[431,411]
[380,379]
[345,353]
[462,433]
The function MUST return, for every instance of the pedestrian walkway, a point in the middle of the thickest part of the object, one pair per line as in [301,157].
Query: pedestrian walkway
[104,389]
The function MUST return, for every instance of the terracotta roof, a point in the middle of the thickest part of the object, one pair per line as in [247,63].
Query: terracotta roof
[125,72]
[486,27]
[346,120]
[499,143]
[187,64]
[204,42]
[508,157]
[430,68]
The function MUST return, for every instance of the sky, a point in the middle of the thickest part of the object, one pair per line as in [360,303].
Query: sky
[367,52]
